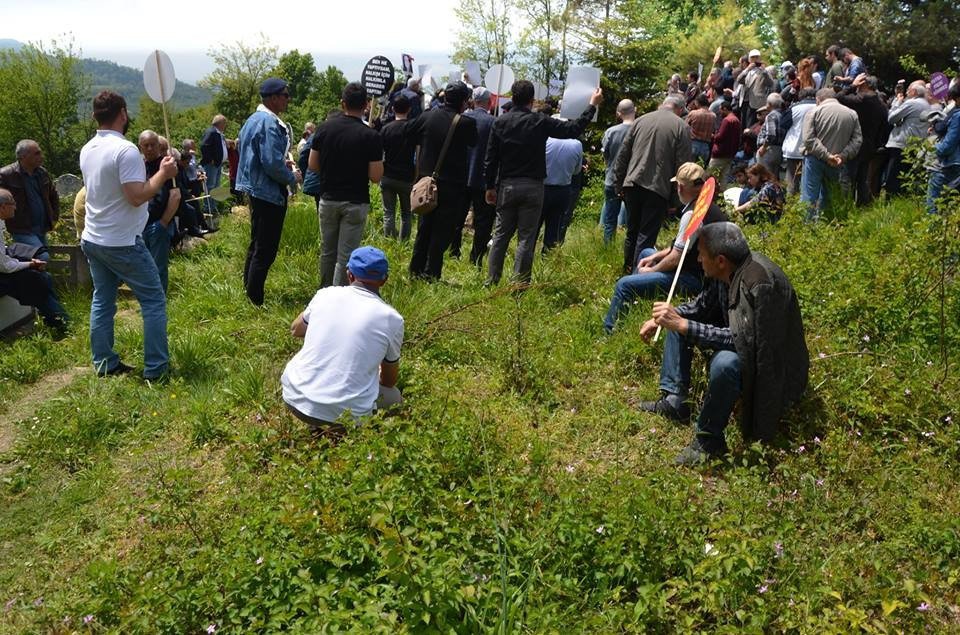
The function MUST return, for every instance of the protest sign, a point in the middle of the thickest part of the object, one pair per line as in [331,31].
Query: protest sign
[582,81]
[377,76]
[498,80]
[160,81]
[472,71]
[539,91]
[700,208]
[406,61]
[939,85]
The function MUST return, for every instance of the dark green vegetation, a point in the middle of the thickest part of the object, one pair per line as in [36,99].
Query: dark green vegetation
[105,75]
[517,489]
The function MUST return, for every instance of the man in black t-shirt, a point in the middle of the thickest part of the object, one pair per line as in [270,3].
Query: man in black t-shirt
[429,131]
[398,171]
[346,154]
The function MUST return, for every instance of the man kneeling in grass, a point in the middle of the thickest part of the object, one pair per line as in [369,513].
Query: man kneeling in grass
[351,350]
[749,316]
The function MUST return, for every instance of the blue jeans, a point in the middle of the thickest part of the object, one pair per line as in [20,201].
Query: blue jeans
[645,285]
[722,393]
[213,181]
[109,266]
[938,179]
[814,185]
[613,212]
[157,239]
[701,150]
[36,240]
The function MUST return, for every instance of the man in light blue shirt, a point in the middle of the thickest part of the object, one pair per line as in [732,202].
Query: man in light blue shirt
[564,159]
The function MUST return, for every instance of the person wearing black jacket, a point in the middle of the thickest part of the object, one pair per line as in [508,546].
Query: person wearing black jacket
[398,171]
[514,170]
[213,152]
[158,232]
[429,130]
[862,97]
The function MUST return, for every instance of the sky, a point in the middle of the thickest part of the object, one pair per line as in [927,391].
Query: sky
[344,34]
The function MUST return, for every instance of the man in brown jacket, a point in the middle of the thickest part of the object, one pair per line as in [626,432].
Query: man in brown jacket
[38,204]
[654,148]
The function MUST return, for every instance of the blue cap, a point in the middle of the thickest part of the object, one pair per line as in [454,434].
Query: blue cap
[272,86]
[368,263]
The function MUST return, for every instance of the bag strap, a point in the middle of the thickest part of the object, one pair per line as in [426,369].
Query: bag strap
[446,144]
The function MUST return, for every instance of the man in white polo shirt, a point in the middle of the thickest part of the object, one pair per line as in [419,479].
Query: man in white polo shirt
[351,351]
[116,212]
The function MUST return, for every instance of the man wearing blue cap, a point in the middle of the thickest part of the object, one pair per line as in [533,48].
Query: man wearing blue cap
[264,172]
[350,357]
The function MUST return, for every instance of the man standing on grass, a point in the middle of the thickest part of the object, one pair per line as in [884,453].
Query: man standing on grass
[213,152]
[264,173]
[748,316]
[612,140]
[350,358]
[346,154]
[116,213]
[655,146]
[831,138]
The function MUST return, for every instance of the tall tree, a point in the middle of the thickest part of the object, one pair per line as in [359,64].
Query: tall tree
[880,31]
[485,32]
[40,89]
[324,98]
[239,69]
[300,72]
[725,28]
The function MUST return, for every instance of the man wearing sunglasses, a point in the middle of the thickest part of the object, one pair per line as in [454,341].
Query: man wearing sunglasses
[263,174]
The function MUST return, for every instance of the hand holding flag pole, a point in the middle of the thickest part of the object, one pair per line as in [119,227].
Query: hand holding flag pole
[699,212]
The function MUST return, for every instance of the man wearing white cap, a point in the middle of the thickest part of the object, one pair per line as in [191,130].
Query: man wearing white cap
[757,84]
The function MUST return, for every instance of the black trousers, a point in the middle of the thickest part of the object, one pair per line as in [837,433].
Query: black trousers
[483,216]
[645,213]
[435,231]
[266,226]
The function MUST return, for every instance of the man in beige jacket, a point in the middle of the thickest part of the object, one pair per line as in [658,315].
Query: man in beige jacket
[831,137]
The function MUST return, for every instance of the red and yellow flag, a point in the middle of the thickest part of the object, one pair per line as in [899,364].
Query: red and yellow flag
[700,209]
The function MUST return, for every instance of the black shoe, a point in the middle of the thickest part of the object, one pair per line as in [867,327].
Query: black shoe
[667,410]
[119,369]
[697,454]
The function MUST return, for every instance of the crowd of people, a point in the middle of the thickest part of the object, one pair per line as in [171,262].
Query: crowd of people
[514,168]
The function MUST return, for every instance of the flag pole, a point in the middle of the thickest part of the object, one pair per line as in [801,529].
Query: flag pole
[673,285]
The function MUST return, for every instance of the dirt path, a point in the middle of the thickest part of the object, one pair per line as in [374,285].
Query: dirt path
[45,388]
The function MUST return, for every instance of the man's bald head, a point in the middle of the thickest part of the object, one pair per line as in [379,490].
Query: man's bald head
[626,110]
[149,142]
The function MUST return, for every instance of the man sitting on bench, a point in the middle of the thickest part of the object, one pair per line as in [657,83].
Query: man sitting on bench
[27,280]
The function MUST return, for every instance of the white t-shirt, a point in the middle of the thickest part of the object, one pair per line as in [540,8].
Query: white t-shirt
[350,331]
[107,162]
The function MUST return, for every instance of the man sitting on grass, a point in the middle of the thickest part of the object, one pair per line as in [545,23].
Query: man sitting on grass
[749,316]
[27,280]
[351,351]
[655,269]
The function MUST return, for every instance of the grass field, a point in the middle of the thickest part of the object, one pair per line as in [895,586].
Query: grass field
[517,489]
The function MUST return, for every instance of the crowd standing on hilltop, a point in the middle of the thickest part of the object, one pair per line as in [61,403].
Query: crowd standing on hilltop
[513,168]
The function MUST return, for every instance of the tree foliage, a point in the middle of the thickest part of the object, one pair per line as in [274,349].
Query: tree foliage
[300,72]
[324,97]
[485,33]
[40,90]
[879,31]
[725,28]
[239,69]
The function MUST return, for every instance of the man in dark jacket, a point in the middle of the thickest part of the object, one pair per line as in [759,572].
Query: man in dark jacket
[862,97]
[483,211]
[435,230]
[213,152]
[749,315]
[38,204]
[514,170]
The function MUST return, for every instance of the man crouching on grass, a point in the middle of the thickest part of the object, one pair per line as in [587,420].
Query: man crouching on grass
[351,349]
[749,316]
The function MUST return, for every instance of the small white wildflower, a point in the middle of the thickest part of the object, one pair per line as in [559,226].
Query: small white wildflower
[601,529]
[709,549]
[866,338]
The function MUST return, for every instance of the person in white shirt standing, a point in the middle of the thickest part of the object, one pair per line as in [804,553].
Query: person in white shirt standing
[116,212]
[350,358]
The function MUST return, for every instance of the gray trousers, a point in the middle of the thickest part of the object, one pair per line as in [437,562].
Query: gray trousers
[771,159]
[390,191]
[341,231]
[519,203]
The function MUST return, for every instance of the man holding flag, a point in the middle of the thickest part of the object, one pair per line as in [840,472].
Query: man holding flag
[748,315]
[655,269]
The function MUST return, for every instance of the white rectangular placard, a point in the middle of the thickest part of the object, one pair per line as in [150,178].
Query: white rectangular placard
[582,81]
